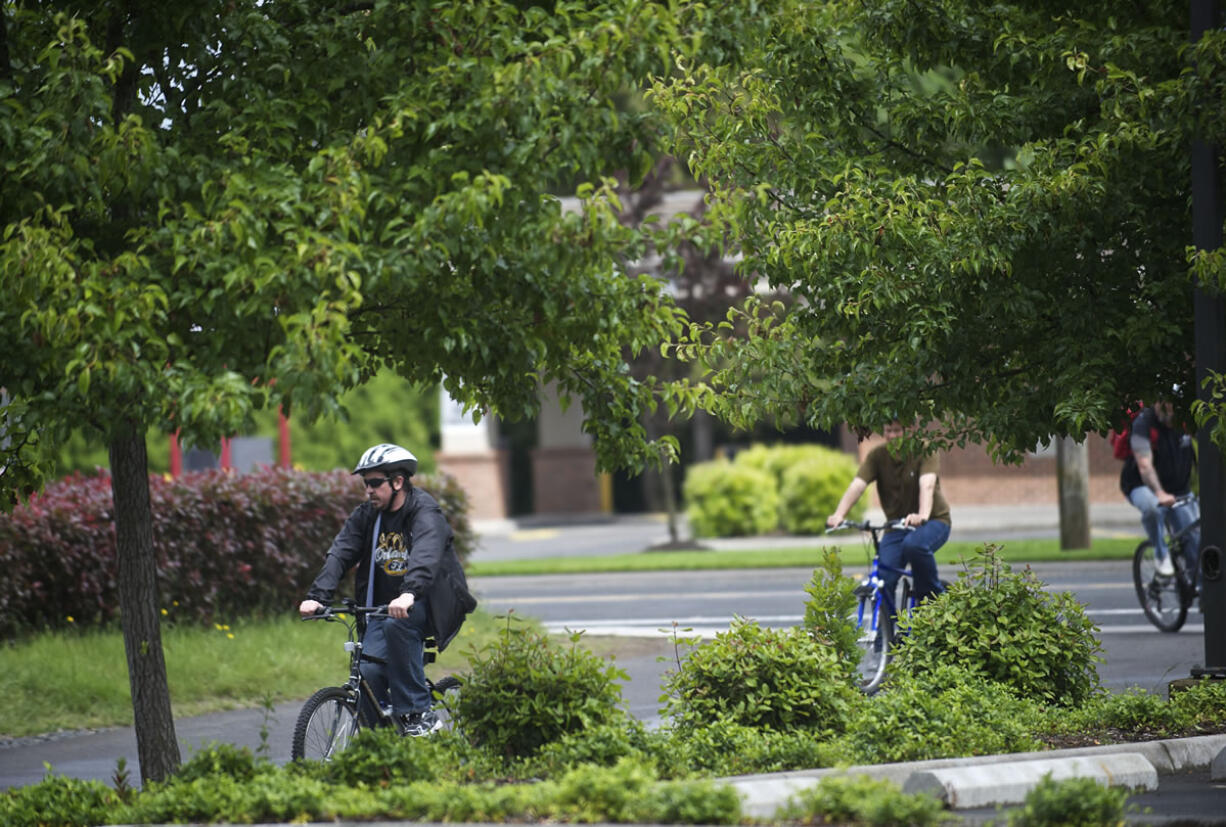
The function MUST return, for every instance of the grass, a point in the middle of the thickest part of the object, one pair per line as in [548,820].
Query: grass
[71,681]
[1013,551]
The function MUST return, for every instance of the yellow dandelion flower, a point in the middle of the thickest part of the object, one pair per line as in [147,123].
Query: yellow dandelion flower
[71,619]
[231,636]
[164,613]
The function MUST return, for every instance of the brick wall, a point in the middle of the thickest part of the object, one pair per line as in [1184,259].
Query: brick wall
[485,476]
[564,481]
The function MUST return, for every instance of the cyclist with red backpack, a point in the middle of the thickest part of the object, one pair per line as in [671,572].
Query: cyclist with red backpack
[1157,471]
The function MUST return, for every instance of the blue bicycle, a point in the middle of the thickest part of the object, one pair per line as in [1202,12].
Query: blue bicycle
[876,608]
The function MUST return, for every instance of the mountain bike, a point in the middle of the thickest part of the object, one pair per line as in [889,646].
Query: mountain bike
[876,608]
[1166,599]
[335,714]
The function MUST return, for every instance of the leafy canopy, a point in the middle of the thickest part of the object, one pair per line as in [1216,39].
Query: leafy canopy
[983,209]
[229,205]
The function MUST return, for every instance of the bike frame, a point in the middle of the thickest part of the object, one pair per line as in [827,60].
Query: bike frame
[1177,538]
[356,683]
[873,580]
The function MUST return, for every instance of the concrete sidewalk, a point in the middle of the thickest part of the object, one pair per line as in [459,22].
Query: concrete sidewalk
[969,522]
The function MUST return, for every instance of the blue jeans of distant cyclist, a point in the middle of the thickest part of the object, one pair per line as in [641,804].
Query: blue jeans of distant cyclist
[400,645]
[917,549]
[1154,516]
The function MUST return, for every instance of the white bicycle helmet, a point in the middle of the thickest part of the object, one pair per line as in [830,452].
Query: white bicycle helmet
[387,457]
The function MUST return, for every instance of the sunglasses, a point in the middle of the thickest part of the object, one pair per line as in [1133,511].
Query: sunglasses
[374,482]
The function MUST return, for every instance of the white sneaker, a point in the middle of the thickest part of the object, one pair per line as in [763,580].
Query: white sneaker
[1165,567]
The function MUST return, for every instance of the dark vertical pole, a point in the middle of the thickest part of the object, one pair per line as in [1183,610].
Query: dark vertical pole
[1210,334]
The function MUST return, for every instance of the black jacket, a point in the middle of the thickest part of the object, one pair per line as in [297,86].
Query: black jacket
[432,569]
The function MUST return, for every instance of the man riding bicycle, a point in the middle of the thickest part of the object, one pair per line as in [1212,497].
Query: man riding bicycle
[909,488]
[403,549]
[1159,472]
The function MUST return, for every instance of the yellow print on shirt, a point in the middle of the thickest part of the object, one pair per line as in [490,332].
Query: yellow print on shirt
[392,554]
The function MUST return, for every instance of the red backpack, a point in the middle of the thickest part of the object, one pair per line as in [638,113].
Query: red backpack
[1121,445]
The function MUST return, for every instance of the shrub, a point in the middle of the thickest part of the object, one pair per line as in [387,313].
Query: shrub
[726,500]
[810,480]
[724,748]
[1202,705]
[1072,802]
[946,713]
[630,793]
[828,611]
[228,545]
[859,799]
[602,746]
[382,756]
[222,759]
[1005,627]
[524,690]
[269,797]
[57,801]
[778,678]
[811,491]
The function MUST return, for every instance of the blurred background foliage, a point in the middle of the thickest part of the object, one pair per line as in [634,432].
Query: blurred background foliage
[385,409]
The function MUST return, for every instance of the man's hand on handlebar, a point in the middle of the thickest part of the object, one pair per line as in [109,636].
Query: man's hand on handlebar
[400,606]
[310,607]
[914,520]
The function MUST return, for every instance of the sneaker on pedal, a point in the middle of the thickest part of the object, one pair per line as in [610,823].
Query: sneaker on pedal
[1165,567]
[417,724]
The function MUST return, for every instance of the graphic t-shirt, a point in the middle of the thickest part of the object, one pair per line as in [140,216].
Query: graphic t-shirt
[391,555]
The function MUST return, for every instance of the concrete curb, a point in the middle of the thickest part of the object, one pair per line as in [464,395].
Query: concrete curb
[1008,783]
[987,780]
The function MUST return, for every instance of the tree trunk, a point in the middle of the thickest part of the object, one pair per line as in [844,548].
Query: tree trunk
[156,744]
[1073,470]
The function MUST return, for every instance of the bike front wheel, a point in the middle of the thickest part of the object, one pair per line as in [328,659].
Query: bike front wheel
[446,692]
[876,630]
[327,723]
[1160,597]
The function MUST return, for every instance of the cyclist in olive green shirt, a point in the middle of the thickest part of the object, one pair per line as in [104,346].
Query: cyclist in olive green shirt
[909,488]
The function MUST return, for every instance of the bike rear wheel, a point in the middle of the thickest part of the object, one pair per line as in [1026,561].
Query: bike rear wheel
[876,634]
[1161,597]
[327,723]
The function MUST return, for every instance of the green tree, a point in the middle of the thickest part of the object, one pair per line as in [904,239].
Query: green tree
[225,206]
[984,210]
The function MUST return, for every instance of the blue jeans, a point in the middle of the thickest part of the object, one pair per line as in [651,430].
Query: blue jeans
[916,549]
[1155,517]
[401,644]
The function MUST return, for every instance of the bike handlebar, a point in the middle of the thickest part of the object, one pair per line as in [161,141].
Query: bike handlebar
[866,525]
[347,608]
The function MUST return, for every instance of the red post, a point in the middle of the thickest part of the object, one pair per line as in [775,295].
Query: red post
[225,453]
[176,456]
[284,453]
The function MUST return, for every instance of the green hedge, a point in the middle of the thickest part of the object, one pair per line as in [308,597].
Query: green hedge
[726,500]
[228,545]
[768,488]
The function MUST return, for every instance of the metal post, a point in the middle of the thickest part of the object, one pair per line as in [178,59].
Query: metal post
[1210,338]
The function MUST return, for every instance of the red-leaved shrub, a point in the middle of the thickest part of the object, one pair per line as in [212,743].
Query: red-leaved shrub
[228,545]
